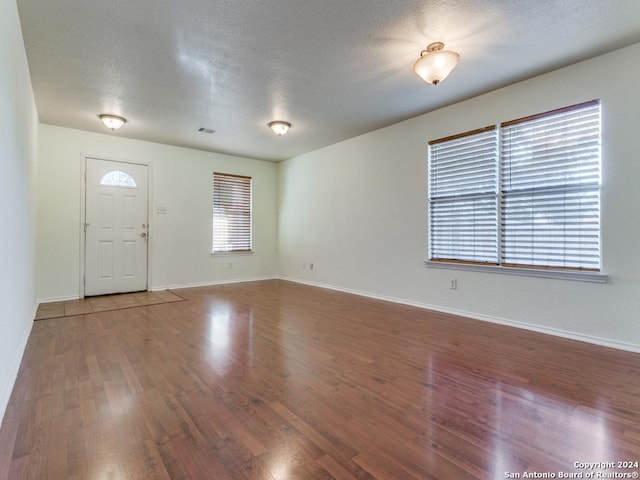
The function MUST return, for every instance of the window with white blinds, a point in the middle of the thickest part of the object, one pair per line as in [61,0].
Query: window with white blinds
[533,201]
[463,197]
[550,176]
[231,213]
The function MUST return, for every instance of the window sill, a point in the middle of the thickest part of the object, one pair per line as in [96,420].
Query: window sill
[591,277]
[239,252]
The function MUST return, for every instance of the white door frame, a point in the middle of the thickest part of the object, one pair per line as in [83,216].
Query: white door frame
[83,208]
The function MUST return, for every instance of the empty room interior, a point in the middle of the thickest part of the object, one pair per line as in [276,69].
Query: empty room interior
[320,240]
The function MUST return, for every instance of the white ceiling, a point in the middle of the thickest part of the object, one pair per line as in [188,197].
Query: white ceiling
[333,68]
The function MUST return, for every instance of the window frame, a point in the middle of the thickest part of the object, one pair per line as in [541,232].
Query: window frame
[501,266]
[235,206]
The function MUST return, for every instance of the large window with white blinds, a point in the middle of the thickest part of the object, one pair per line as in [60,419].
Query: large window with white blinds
[231,213]
[523,194]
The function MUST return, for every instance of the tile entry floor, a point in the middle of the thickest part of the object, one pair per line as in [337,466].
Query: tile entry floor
[104,303]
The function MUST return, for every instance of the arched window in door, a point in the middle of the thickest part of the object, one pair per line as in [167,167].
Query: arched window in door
[118,178]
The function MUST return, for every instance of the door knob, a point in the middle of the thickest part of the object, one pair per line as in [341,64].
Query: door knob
[143,234]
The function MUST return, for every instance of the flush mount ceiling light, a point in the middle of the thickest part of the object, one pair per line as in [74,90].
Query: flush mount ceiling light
[435,64]
[279,127]
[113,122]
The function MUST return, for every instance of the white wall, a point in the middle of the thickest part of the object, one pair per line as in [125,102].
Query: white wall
[180,241]
[18,143]
[357,210]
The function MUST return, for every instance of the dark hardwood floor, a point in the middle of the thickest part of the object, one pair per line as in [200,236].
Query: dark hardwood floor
[279,381]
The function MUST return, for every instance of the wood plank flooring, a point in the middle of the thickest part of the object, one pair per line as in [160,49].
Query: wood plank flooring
[278,381]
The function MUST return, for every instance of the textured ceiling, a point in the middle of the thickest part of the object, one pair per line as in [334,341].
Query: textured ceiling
[333,68]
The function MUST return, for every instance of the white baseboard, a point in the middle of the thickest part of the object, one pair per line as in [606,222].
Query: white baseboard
[58,299]
[604,342]
[210,284]
[7,389]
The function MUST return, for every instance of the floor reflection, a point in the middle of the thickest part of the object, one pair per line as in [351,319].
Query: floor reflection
[219,335]
[528,425]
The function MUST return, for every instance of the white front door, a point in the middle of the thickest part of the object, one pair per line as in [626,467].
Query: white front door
[116,227]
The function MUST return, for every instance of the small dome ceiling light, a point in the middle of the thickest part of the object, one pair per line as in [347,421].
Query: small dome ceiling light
[435,64]
[279,127]
[113,122]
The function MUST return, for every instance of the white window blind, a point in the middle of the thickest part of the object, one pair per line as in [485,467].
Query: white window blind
[532,202]
[550,176]
[231,213]
[463,200]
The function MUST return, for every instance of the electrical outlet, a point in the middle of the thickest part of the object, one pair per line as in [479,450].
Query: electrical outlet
[230,265]
[304,266]
[453,284]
